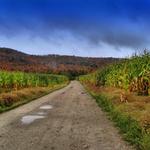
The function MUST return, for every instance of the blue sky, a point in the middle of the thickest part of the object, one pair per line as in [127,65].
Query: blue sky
[114,28]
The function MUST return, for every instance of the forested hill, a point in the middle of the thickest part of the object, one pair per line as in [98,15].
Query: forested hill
[14,60]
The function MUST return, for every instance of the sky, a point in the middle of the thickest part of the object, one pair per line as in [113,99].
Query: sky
[95,28]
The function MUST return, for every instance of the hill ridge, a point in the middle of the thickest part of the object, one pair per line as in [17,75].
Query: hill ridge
[14,60]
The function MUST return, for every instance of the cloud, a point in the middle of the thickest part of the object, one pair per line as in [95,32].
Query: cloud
[118,24]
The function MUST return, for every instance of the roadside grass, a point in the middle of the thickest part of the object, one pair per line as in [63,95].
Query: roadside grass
[132,118]
[13,99]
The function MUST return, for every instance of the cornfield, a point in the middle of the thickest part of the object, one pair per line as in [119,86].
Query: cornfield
[18,80]
[132,74]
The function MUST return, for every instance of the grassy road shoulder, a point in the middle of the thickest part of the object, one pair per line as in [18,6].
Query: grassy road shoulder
[14,99]
[130,128]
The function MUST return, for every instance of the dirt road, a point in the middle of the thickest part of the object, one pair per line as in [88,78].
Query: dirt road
[68,119]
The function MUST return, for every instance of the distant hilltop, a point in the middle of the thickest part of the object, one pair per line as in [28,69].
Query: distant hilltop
[13,60]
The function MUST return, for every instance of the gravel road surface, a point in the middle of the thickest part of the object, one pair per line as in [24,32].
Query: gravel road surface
[67,119]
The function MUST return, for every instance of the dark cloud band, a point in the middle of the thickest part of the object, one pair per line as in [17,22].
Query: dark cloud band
[120,23]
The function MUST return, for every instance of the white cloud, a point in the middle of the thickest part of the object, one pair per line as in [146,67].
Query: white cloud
[64,43]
